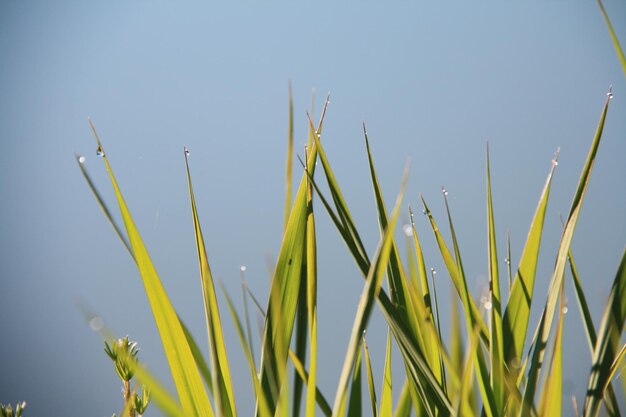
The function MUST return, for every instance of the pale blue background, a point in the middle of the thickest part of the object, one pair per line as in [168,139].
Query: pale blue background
[433,83]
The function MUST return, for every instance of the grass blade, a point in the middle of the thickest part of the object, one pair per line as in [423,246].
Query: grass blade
[607,346]
[355,405]
[222,381]
[403,408]
[370,379]
[545,324]
[311,297]
[187,379]
[618,48]
[386,394]
[289,163]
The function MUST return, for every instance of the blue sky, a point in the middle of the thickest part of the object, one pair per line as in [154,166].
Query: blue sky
[433,83]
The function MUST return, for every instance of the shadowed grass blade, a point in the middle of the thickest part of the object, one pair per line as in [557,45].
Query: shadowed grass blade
[355,406]
[187,379]
[370,379]
[311,297]
[545,324]
[222,381]
[606,350]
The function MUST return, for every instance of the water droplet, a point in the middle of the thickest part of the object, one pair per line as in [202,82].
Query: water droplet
[96,323]
[318,135]
[99,151]
[555,162]
[424,212]
[433,271]
[610,93]
[408,230]
[243,268]
[507,261]
[444,191]
[565,310]
[488,305]
[81,159]
[187,151]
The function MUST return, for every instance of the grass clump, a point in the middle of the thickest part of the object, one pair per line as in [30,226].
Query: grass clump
[508,377]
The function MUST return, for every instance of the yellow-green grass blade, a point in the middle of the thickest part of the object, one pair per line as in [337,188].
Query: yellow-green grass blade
[457,279]
[197,354]
[610,399]
[355,406]
[311,297]
[403,408]
[546,321]
[370,292]
[193,397]
[420,374]
[517,312]
[550,403]
[285,289]
[370,379]
[304,375]
[395,272]
[617,363]
[616,44]
[289,163]
[421,265]
[465,398]
[245,293]
[508,260]
[386,393]
[606,350]
[261,399]
[222,382]
[473,321]
[496,346]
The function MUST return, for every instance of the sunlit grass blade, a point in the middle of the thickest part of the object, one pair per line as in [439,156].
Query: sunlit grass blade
[261,399]
[285,287]
[550,403]
[610,399]
[370,292]
[465,405]
[473,321]
[517,312]
[371,387]
[311,305]
[455,275]
[187,379]
[546,321]
[222,381]
[496,347]
[304,375]
[420,374]
[403,408]
[386,393]
[607,347]
[616,44]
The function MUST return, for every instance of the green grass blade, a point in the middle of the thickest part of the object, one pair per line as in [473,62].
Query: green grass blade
[304,375]
[403,408]
[370,291]
[187,379]
[311,297]
[550,403]
[607,346]
[610,398]
[386,393]
[618,48]
[545,324]
[496,345]
[355,406]
[222,381]
[517,312]
[370,379]
[465,398]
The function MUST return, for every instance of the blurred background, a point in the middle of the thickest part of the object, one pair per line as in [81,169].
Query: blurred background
[433,83]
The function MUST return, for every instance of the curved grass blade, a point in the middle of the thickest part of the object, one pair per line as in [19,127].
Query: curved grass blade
[289,164]
[618,48]
[222,381]
[545,324]
[403,408]
[517,312]
[465,399]
[606,350]
[370,379]
[304,375]
[187,379]
[356,397]
[496,345]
